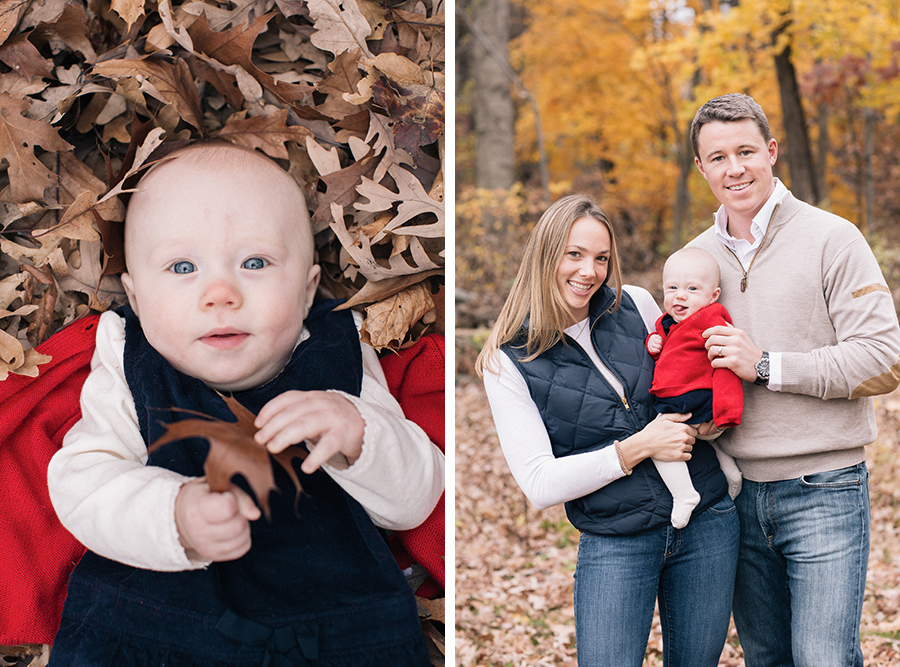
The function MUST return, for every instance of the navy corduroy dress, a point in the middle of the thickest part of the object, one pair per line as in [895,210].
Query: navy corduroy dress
[319,585]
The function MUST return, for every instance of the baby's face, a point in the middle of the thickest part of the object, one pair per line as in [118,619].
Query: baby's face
[220,273]
[688,286]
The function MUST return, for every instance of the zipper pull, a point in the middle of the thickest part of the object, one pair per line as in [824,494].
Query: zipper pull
[625,402]
[744,283]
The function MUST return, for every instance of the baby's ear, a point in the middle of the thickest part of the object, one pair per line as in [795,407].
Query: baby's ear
[313,277]
[128,284]
[716,293]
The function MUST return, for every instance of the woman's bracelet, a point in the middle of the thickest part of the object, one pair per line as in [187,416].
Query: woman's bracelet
[624,467]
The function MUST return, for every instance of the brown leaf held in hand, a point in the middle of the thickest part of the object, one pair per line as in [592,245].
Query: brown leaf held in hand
[233,451]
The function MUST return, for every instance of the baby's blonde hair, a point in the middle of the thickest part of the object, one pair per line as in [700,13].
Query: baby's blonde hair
[697,256]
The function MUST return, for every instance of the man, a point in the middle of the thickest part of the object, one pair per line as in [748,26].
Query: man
[815,337]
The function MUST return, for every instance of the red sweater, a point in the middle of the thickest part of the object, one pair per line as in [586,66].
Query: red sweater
[683,365]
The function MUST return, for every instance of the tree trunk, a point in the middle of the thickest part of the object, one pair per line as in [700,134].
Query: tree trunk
[803,178]
[869,171]
[494,113]
[682,210]
[822,151]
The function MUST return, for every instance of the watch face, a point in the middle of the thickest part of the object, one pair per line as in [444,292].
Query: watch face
[762,368]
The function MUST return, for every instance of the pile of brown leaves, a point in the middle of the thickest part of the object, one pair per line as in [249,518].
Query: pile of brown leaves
[514,564]
[347,95]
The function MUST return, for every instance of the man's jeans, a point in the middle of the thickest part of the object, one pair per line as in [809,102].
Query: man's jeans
[617,580]
[802,569]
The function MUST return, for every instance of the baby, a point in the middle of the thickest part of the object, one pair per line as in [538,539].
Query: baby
[684,381]
[221,284]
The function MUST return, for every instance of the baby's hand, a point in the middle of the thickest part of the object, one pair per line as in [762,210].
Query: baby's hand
[327,420]
[214,526]
[654,343]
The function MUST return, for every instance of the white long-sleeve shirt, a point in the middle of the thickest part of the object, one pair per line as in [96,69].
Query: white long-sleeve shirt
[120,508]
[544,479]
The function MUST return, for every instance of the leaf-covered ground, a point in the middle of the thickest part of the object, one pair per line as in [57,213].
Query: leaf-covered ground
[514,564]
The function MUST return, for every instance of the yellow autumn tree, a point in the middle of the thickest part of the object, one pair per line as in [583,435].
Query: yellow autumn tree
[618,81]
[602,115]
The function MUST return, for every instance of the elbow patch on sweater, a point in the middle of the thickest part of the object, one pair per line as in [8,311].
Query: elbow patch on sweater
[868,289]
[880,384]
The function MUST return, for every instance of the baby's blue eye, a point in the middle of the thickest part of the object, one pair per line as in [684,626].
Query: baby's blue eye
[254,263]
[183,267]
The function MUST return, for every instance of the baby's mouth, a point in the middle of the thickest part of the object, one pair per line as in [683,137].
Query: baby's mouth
[224,338]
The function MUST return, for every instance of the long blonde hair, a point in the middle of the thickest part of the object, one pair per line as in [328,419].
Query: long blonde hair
[535,295]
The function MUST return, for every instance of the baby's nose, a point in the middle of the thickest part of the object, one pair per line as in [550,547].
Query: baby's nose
[221,293]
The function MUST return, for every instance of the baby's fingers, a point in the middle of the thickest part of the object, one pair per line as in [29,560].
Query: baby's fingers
[319,454]
[245,505]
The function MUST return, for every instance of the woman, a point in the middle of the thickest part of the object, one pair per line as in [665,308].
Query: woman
[568,377]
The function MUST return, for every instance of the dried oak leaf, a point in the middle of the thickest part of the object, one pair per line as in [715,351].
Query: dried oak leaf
[379,290]
[15,359]
[129,10]
[267,133]
[235,47]
[168,82]
[412,96]
[22,56]
[341,189]
[388,322]
[413,201]
[233,451]
[340,26]
[359,247]
[10,13]
[73,29]
[40,320]
[87,275]
[18,137]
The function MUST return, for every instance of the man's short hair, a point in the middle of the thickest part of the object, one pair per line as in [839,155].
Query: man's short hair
[729,109]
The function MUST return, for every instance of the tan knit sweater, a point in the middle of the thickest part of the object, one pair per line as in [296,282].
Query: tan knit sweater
[815,293]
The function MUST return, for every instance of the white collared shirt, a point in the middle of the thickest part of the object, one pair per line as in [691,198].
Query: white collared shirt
[745,251]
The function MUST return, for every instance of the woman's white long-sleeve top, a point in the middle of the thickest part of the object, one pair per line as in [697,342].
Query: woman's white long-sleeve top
[120,508]
[544,479]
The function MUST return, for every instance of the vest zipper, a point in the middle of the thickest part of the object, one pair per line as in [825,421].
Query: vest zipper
[622,397]
[746,271]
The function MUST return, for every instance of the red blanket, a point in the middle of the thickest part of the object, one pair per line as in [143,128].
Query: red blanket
[415,377]
[37,553]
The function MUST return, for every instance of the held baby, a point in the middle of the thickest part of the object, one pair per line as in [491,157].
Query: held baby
[683,379]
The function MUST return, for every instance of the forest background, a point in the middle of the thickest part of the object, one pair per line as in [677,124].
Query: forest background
[596,96]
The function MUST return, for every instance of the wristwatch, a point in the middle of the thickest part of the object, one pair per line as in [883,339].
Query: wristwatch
[762,370]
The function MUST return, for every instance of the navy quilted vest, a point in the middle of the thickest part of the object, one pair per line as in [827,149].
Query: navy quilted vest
[583,413]
[321,570]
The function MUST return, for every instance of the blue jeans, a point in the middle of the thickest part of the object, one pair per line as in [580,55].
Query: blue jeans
[802,570]
[618,579]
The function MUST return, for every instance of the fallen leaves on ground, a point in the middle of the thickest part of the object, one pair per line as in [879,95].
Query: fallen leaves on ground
[347,96]
[514,564]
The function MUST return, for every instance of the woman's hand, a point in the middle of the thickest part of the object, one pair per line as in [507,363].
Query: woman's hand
[214,526]
[666,438]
